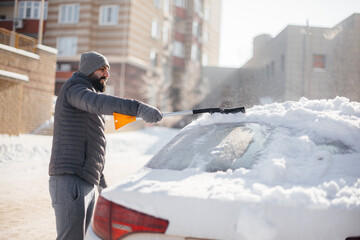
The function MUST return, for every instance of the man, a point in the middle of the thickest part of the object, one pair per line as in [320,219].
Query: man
[78,150]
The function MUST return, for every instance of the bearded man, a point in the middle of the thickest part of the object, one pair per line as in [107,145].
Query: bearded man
[78,150]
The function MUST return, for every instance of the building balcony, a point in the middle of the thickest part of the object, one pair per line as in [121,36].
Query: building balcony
[180,12]
[16,40]
[178,62]
[28,27]
[181,37]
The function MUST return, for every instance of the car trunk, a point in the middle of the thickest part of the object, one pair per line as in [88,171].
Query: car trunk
[252,218]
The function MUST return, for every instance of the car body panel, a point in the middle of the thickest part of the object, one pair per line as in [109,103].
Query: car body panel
[237,219]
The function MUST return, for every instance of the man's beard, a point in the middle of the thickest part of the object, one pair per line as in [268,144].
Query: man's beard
[95,81]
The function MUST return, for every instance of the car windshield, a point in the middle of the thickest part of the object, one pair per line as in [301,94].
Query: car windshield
[216,147]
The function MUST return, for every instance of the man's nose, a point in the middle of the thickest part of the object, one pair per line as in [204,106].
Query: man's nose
[106,73]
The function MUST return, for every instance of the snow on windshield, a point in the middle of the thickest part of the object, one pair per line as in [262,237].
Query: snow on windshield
[215,147]
[291,141]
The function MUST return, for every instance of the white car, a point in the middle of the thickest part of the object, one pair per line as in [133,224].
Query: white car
[280,174]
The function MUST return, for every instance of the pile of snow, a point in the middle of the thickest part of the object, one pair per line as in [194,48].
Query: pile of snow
[307,183]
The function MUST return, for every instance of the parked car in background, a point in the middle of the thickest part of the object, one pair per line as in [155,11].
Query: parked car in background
[278,172]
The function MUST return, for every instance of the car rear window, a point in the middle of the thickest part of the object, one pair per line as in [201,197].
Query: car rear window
[212,148]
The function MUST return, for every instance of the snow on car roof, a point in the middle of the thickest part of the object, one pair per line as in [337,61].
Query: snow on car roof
[336,119]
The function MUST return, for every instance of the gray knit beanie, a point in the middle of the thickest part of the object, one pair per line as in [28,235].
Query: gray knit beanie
[92,61]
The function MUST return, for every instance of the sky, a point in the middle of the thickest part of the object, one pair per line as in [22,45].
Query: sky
[242,20]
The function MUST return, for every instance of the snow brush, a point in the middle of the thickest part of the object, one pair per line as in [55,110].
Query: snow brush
[121,120]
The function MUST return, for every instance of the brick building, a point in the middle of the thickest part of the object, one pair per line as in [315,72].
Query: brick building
[27,85]
[154,47]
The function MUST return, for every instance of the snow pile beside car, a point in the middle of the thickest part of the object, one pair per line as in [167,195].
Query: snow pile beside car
[308,176]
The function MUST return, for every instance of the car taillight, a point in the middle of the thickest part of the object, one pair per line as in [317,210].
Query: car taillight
[101,218]
[112,221]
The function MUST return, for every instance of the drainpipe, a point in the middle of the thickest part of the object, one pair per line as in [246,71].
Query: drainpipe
[12,36]
[41,22]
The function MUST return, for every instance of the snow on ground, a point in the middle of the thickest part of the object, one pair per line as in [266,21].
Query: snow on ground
[25,206]
[287,176]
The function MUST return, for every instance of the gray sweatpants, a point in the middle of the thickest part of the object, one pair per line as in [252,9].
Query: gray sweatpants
[73,200]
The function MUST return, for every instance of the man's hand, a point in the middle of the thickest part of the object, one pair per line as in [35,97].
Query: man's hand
[149,114]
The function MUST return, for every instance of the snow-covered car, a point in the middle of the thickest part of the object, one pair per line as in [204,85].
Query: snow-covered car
[280,171]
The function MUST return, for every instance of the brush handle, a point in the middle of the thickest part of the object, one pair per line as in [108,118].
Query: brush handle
[203,110]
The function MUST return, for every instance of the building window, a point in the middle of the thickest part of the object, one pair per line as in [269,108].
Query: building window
[166,7]
[282,62]
[179,50]
[319,61]
[198,7]
[68,13]
[109,15]
[206,37]
[64,67]
[153,58]
[204,59]
[31,10]
[165,35]
[195,27]
[67,46]
[195,54]
[180,3]
[272,68]
[155,29]
[207,14]
[157,4]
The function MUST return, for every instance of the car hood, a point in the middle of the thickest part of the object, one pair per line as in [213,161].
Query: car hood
[222,205]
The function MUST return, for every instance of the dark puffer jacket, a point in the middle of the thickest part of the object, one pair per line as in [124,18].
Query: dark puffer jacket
[79,139]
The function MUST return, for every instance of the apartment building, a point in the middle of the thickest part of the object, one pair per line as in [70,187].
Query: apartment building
[24,17]
[27,68]
[154,46]
[196,43]
[27,76]
[133,35]
[309,61]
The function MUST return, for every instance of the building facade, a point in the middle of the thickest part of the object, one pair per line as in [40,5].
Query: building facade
[310,61]
[154,46]
[27,82]
[128,33]
[24,17]
[196,43]
[317,63]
